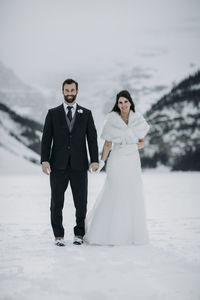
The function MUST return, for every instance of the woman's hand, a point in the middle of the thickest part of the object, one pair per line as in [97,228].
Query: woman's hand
[101,165]
[141,143]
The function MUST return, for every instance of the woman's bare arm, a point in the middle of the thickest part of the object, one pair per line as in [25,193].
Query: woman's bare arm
[106,149]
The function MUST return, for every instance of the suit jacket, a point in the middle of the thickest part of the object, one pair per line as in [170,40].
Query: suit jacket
[59,144]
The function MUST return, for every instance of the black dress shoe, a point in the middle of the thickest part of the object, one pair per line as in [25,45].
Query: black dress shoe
[59,242]
[78,240]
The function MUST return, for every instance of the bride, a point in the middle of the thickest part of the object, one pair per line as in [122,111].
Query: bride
[118,216]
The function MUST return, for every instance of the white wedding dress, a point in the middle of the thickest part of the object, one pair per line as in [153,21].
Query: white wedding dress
[118,216]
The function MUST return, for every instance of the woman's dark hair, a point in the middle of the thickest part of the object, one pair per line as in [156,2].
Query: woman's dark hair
[126,95]
[69,81]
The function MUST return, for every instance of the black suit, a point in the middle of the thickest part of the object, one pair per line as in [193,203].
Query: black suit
[66,151]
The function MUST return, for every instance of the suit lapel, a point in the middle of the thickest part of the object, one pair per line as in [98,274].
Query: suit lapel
[77,119]
[62,117]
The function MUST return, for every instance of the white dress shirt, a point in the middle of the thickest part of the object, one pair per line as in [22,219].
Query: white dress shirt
[73,108]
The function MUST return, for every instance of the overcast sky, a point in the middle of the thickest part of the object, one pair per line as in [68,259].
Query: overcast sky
[43,38]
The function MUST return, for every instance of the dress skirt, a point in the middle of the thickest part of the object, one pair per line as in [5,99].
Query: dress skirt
[118,216]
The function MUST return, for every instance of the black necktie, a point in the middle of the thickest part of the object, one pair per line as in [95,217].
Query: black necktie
[69,114]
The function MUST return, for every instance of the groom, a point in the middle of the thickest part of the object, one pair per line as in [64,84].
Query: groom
[64,157]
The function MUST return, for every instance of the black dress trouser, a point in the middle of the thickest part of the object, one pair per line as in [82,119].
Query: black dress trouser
[59,180]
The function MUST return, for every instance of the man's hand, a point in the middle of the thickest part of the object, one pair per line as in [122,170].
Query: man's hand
[46,167]
[93,166]
[141,144]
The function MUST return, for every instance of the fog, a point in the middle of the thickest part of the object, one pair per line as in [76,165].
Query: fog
[46,41]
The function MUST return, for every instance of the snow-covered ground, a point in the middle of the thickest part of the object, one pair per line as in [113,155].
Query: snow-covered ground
[32,267]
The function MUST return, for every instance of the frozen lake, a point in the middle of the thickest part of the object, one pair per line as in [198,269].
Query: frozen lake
[32,267]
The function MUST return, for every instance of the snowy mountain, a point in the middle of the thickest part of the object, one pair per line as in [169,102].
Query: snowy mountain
[19,135]
[174,138]
[25,100]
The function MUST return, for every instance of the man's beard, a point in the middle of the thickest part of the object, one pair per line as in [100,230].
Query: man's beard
[70,99]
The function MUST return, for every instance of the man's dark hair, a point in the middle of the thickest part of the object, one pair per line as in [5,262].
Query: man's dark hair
[69,81]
